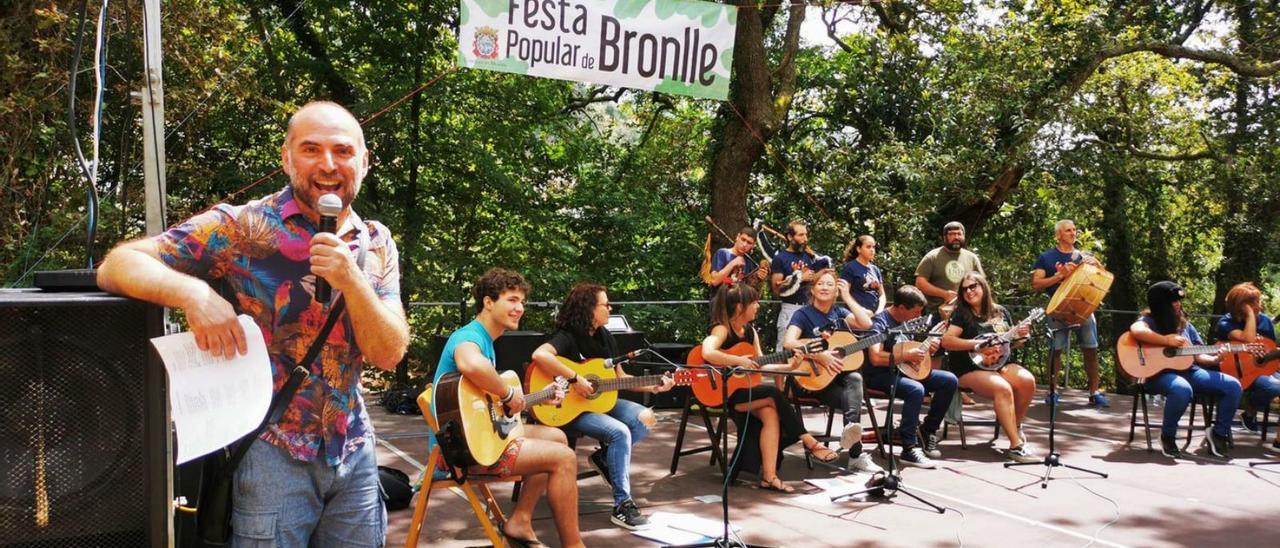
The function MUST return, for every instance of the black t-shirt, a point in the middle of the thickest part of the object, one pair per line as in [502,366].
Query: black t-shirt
[748,336]
[580,347]
[971,327]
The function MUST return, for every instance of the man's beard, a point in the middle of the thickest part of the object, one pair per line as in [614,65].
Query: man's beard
[309,194]
[954,246]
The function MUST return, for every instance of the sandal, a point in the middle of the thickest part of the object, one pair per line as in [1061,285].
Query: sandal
[776,484]
[517,542]
[826,456]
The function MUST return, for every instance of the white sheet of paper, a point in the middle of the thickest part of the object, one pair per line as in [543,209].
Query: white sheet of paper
[691,523]
[213,400]
[670,536]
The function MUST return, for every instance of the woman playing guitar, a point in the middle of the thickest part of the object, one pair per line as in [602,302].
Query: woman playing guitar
[1245,322]
[1164,324]
[1012,386]
[823,315]
[580,336]
[774,423]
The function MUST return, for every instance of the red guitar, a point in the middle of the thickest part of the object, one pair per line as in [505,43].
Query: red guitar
[1260,361]
[706,384]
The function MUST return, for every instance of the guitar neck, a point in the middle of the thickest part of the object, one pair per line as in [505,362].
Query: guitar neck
[1206,349]
[540,396]
[775,357]
[1007,336]
[629,383]
[862,343]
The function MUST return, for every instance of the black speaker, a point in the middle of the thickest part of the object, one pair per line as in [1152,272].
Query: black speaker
[84,430]
[678,353]
[514,350]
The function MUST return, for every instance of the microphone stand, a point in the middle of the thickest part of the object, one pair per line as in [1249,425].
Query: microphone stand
[724,541]
[1051,459]
[892,480]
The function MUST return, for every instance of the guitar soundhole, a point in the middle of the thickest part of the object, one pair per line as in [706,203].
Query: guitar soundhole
[1170,351]
[595,386]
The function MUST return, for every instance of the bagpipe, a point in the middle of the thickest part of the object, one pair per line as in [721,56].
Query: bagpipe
[756,272]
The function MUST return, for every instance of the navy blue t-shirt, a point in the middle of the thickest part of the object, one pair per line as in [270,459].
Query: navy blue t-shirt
[786,262]
[882,323]
[812,321]
[865,283]
[1048,263]
[1227,324]
[721,258]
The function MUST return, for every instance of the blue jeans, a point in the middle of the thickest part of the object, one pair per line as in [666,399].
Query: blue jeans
[942,384]
[1179,387]
[287,503]
[844,393]
[618,429]
[1263,390]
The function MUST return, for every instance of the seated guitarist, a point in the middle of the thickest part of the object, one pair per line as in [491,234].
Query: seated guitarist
[822,314]
[774,423]
[1011,387]
[1165,324]
[1244,322]
[919,441]
[580,336]
[543,456]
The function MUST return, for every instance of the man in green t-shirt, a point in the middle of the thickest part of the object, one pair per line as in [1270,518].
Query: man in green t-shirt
[941,269]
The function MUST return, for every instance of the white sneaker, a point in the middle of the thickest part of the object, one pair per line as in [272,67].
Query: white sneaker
[851,436]
[863,463]
[1022,454]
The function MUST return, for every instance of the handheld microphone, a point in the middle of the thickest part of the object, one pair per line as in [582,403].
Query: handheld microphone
[612,362]
[330,206]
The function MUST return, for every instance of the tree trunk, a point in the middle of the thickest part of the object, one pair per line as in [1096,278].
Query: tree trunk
[1157,240]
[413,220]
[1119,261]
[759,97]
[730,175]
[1244,225]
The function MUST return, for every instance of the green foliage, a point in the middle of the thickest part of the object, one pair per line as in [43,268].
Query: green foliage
[564,183]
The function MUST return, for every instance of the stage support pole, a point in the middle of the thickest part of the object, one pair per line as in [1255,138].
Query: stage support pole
[153,164]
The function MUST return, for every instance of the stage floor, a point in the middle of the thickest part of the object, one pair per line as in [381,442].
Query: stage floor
[1148,500]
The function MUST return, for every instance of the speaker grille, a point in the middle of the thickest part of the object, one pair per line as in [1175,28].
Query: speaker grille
[71,434]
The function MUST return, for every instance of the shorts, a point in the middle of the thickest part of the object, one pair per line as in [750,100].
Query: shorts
[1086,333]
[505,465]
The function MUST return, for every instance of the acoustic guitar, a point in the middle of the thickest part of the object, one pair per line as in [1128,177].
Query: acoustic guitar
[706,384]
[994,350]
[848,347]
[605,381]
[1248,366]
[474,425]
[1142,361]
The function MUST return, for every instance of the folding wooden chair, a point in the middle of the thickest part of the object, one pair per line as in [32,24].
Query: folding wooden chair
[475,488]
[714,431]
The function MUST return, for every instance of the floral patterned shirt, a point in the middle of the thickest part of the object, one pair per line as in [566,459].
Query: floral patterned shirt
[260,253]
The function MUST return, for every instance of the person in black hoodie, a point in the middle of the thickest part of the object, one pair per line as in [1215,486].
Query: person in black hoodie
[1165,324]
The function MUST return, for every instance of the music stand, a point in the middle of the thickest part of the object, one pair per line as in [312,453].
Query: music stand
[723,541]
[892,480]
[1052,459]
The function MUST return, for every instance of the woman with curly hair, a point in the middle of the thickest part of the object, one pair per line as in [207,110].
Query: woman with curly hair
[580,336]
